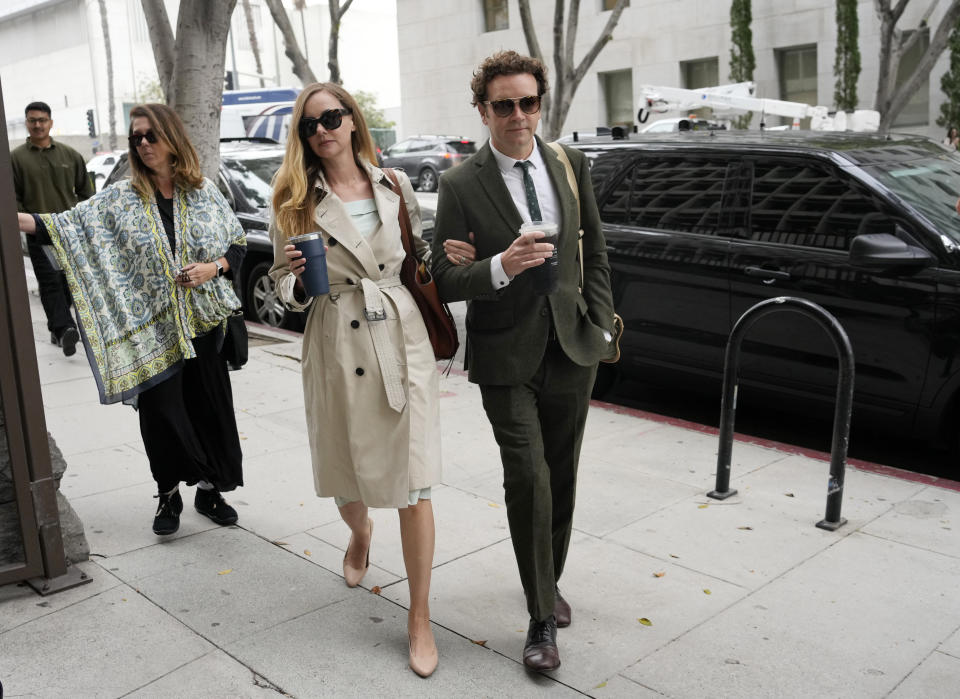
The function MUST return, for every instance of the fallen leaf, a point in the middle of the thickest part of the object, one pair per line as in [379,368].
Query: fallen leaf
[280,543]
[673,556]
[703,506]
[746,529]
[660,574]
[601,685]
[789,495]
[493,504]
[706,591]
[481,643]
[307,552]
[225,572]
[645,621]
[375,589]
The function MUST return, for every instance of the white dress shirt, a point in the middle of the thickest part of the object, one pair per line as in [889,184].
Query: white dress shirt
[546,196]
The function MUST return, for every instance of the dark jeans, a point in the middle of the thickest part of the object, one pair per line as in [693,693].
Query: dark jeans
[54,291]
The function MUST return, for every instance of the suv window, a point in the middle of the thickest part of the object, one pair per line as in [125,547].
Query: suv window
[795,203]
[668,192]
[462,147]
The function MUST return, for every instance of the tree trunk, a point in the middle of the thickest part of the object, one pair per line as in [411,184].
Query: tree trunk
[336,16]
[301,68]
[111,103]
[567,77]
[161,38]
[891,99]
[254,44]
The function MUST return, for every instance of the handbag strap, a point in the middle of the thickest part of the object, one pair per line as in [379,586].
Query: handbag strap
[572,181]
[402,215]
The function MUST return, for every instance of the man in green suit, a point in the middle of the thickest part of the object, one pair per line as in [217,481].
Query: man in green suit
[534,356]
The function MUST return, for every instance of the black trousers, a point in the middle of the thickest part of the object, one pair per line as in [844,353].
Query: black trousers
[54,290]
[188,426]
[539,428]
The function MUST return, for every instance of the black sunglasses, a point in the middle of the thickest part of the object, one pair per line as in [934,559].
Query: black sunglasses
[136,138]
[330,120]
[504,108]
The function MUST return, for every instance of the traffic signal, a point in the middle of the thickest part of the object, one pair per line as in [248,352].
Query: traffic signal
[228,80]
[91,126]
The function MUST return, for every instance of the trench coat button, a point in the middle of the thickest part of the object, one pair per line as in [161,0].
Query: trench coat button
[350,281]
[543,312]
[359,371]
[354,324]
[331,242]
[381,267]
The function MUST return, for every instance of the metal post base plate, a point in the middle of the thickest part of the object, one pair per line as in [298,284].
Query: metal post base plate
[831,526]
[74,577]
[717,495]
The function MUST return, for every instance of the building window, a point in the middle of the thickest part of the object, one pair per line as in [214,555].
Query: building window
[704,72]
[495,15]
[917,111]
[609,4]
[797,70]
[617,88]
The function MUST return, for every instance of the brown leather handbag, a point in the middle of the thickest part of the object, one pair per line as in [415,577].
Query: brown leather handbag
[419,281]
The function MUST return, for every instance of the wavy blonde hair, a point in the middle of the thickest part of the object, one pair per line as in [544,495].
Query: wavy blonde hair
[170,131]
[293,200]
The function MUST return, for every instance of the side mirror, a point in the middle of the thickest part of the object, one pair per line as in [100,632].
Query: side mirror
[880,250]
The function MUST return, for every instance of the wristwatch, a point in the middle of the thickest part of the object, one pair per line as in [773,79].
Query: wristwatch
[219,268]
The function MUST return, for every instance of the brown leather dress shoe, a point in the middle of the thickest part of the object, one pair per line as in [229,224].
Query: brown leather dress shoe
[561,610]
[540,652]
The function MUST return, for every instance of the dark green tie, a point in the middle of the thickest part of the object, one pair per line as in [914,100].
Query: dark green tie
[532,204]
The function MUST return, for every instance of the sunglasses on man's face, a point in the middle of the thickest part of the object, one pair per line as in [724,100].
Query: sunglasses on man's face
[137,138]
[330,120]
[505,107]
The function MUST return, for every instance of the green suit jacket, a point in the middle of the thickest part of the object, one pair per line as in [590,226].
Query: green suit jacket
[507,329]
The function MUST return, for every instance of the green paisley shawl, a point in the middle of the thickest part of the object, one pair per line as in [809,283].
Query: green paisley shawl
[136,321]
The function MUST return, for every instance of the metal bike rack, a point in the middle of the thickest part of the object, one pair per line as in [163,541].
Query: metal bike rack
[841,417]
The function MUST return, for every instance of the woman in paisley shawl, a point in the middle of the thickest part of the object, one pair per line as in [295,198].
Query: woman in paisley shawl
[145,259]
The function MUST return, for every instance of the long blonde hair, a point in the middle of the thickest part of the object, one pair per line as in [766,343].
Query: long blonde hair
[293,200]
[169,130]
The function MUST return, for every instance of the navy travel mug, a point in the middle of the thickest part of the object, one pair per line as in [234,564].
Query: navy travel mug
[314,277]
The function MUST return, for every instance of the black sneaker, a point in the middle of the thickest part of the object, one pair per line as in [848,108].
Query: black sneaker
[167,519]
[69,340]
[211,504]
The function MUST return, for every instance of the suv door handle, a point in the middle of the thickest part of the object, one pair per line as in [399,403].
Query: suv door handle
[769,276]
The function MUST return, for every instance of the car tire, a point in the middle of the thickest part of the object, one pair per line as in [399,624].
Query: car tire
[427,180]
[261,300]
[607,378]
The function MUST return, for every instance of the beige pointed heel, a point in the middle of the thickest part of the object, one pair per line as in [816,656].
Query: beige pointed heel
[353,576]
[423,665]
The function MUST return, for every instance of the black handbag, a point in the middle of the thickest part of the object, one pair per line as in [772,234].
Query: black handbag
[235,347]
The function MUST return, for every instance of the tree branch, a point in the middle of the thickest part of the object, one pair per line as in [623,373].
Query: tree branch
[573,19]
[529,32]
[301,68]
[605,36]
[161,38]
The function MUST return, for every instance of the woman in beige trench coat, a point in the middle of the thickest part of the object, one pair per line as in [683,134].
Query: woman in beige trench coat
[371,386]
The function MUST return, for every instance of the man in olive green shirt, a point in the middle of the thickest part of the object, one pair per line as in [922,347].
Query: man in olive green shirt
[49,177]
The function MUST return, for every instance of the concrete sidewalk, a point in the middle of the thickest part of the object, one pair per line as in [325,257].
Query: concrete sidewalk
[673,594]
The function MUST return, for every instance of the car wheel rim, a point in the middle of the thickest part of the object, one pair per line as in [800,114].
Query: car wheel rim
[266,305]
[428,181]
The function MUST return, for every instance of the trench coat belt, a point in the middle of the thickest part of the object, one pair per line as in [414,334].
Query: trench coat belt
[375,314]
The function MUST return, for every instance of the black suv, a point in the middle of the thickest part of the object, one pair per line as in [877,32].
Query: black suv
[424,158]
[246,170]
[702,226]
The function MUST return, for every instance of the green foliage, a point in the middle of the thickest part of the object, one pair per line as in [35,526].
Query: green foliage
[846,66]
[374,115]
[742,61]
[150,90]
[950,84]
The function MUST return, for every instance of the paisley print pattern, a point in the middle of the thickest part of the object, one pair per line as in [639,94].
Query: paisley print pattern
[138,323]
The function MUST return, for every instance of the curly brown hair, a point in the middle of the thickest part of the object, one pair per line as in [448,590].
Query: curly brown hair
[506,63]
